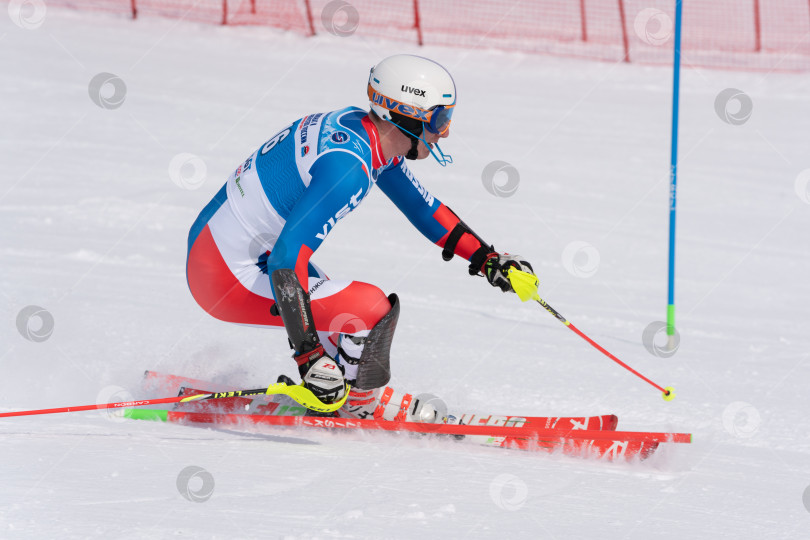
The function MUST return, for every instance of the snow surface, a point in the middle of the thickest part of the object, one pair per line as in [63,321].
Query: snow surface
[93,230]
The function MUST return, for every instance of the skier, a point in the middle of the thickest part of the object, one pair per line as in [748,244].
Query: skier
[250,249]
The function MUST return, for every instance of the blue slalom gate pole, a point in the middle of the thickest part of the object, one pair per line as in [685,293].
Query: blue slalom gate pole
[673,175]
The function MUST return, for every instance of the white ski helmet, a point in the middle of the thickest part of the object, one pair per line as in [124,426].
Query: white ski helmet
[405,86]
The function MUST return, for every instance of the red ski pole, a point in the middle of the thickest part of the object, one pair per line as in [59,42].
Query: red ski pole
[77,408]
[525,285]
[297,392]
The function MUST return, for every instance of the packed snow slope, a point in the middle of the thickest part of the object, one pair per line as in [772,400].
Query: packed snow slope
[93,229]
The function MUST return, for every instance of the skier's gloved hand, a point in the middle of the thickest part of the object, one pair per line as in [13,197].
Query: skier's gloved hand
[321,375]
[496,269]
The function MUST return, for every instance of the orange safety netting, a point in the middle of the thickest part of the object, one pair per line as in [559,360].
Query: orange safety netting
[739,34]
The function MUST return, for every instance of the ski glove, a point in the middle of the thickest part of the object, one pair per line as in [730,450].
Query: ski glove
[496,269]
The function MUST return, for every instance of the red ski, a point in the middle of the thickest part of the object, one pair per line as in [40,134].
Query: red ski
[582,436]
[278,406]
[261,405]
[609,445]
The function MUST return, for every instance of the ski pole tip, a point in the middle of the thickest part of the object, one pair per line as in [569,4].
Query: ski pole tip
[669,393]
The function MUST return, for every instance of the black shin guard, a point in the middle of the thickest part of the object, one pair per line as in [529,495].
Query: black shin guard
[374,368]
[292,303]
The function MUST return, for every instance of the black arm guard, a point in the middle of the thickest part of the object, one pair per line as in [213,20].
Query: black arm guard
[478,258]
[452,240]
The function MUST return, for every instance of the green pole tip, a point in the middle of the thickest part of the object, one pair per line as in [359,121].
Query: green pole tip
[670,319]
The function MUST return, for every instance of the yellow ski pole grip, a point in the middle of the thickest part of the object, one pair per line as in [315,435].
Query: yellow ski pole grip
[524,284]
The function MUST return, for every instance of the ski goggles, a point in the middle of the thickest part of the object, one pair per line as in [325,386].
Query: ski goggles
[436,119]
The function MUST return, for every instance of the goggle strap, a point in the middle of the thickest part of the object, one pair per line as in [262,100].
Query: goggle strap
[427,116]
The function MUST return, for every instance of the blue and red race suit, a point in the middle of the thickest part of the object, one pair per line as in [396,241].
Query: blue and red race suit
[282,202]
